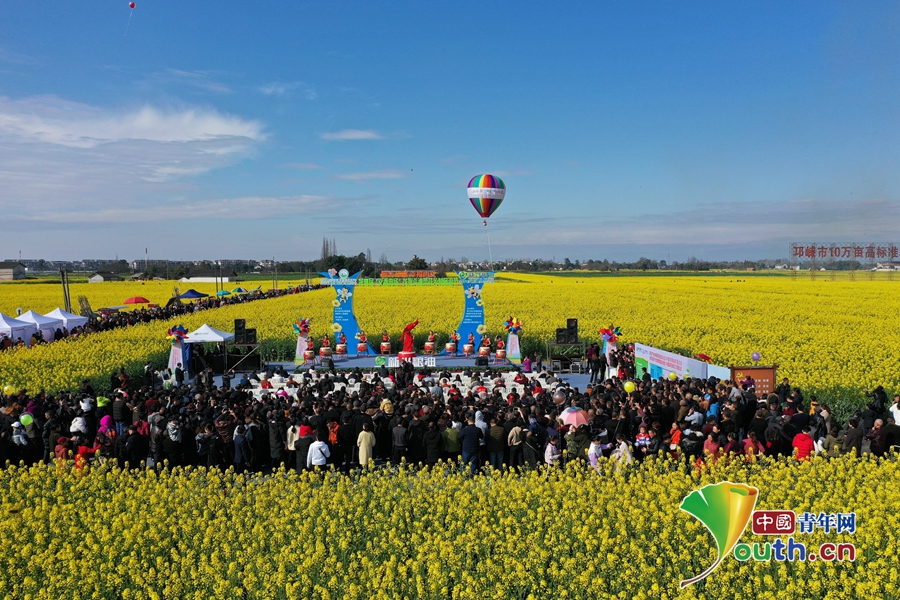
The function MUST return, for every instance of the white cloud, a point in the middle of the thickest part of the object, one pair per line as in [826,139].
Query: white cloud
[278,88]
[370,175]
[352,134]
[61,157]
[244,208]
[55,121]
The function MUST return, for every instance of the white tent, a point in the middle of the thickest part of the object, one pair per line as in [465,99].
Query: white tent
[207,334]
[15,329]
[69,320]
[47,325]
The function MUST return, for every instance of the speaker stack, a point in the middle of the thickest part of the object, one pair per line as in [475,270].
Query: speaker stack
[250,336]
[572,331]
[562,335]
[240,331]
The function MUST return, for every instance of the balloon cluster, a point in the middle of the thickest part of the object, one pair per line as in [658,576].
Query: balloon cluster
[513,325]
[177,334]
[610,334]
[301,326]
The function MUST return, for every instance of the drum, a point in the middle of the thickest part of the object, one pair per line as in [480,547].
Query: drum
[429,347]
[340,349]
[362,348]
[468,348]
[450,347]
[385,347]
[309,355]
[501,354]
[325,351]
[484,351]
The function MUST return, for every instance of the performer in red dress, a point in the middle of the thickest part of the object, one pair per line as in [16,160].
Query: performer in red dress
[431,336]
[454,337]
[485,341]
[362,337]
[385,337]
[326,342]
[342,339]
[499,343]
[472,338]
[406,337]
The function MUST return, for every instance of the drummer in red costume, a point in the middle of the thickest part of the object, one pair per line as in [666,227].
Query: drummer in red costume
[499,343]
[362,337]
[485,341]
[342,339]
[471,338]
[326,342]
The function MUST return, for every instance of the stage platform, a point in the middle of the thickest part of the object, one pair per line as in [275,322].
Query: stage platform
[451,363]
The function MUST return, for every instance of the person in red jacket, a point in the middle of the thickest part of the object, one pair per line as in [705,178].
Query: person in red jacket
[803,444]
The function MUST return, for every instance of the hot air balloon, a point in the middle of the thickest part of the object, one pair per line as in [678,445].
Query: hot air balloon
[486,194]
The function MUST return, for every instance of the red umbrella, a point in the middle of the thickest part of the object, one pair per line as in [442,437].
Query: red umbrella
[137,300]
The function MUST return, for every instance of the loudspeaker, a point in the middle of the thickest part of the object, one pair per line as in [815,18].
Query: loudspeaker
[572,329]
[240,326]
[562,336]
[328,363]
[250,336]
[481,361]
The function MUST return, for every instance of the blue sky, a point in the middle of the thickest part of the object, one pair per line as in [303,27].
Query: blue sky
[252,130]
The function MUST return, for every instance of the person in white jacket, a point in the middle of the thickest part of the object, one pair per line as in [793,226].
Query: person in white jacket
[318,453]
[622,454]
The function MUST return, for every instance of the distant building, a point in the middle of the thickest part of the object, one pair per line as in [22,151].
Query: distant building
[209,277]
[11,270]
[101,276]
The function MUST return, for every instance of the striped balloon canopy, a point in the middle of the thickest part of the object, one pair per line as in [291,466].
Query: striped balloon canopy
[486,194]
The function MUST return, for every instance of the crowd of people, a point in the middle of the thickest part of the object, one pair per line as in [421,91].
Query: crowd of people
[107,320]
[425,416]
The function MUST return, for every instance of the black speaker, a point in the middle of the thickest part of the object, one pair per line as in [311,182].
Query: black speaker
[240,327]
[572,328]
[328,363]
[481,361]
[562,336]
[250,336]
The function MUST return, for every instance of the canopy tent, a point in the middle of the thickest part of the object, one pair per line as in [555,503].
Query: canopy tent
[192,293]
[69,320]
[15,329]
[47,325]
[207,334]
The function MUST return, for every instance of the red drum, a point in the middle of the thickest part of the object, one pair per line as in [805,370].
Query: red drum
[309,355]
[468,348]
[340,349]
[501,354]
[325,351]
[450,347]
[362,348]
[385,347]
[429,347]
[484,351]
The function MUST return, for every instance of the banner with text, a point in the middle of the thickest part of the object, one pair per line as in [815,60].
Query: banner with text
[659,363]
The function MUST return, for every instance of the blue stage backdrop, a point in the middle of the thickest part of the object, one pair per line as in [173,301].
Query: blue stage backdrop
[344,284]
[473,283]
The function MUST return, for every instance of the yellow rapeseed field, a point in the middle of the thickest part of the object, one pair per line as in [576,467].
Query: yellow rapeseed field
[830,337]
[546,534]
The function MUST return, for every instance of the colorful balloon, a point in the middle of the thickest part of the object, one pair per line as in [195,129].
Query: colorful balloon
[673,376]
[629,386]
[486,194]
[26,419]
[132,5]
[755,356]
